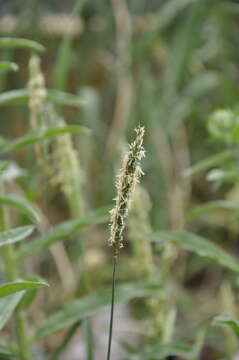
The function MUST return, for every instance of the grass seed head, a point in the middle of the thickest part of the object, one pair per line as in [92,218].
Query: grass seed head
[126,180]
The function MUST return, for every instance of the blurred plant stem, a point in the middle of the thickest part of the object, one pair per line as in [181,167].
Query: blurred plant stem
[63,59]
[229,306]
[11,270]
[124,91]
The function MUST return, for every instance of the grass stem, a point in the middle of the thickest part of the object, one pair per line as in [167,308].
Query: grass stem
[11,271]
[112,308]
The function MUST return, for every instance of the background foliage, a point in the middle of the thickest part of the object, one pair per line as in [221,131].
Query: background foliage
[76,78]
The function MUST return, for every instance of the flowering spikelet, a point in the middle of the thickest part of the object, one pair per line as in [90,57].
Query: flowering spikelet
[37,104]
[38,92]
[127,178]
[67,171]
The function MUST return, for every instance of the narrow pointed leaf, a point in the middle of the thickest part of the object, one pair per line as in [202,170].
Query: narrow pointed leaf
[227,321]
[31,293]
[19,285]
[81,309]
[7,306]
[163,351]
[21,204]
[7,65]
[64,98]
[62,231]
[211,206]
[15,235]
[208,163]
[198,245]
[21,96]
[14,97]
[10,42]
[40,135]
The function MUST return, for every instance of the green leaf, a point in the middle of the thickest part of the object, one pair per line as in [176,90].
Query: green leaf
[28,298]
[211,206]
[7,65]
[63,98]
[30,294]
[198,245]
[227,321]
[19,285]
[14,97]
[7,306]
[15,235]
[162,351]
[6,352]
[208,163]
[62,231]
[21,204]
[10,42]
[4,165]
[40,135]
[21,96]
[81,309]
[220,176]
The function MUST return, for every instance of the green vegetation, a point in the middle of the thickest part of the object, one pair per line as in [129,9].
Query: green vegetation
[76,79]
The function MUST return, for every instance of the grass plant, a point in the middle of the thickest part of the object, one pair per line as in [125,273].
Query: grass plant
[69,102]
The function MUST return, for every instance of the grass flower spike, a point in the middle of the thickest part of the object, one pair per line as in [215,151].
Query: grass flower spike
[127,178]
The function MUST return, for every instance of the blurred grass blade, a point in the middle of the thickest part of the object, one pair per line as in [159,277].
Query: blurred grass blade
[7,65]
[62,231]
[14,97]
[185,40]
[21,204]
[227,321]
[6,352]
[63,59]
[211,206]
[7,306]
[166,15]
[30,294]
[40,135]
[62,64]
[208,163]
[19,285]
[15,235]
[21,96]
[199,246]
[162,351]
[78,310]
[10,42]
[64,98]
[198,87]
[65,341]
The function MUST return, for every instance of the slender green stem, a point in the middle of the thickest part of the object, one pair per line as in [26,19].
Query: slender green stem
[24,350]
[89,340]
[112,308]
[11,274]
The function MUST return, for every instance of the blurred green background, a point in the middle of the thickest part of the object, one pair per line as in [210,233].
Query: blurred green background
[172,66]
